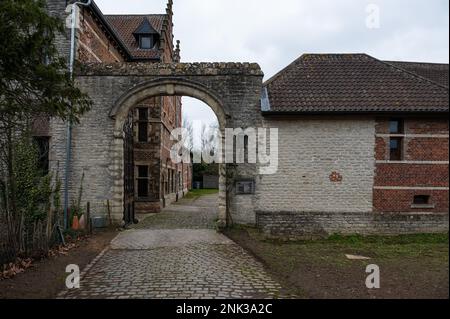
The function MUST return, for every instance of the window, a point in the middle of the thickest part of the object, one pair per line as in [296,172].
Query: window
[42,143]
[146,42]
[421,200]
[396,126]
[143,125]
[396,144]
[143,182]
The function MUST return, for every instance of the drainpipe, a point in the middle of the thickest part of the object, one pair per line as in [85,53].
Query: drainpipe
[69,123]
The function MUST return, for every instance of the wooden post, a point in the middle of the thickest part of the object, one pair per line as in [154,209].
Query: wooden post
[109,213]
[88,218]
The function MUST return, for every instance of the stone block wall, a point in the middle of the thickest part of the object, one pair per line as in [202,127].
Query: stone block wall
[325,164]
[232,90]
[299,226]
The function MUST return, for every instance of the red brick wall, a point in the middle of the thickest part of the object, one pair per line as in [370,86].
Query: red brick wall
[426,149]
[427,175]
[399,201]
[424,169]
[93,44]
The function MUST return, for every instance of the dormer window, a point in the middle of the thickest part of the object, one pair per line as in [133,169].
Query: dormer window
[146,36]
[145,42]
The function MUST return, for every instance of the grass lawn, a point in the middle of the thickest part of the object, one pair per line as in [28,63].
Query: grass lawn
[411,266]
[195,193]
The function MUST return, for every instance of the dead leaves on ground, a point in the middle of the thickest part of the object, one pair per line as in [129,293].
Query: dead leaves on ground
[13,269]
[20,265]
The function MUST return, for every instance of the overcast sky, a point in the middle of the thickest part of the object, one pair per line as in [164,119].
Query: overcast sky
[274,33]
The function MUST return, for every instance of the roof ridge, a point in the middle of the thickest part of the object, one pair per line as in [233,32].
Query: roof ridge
[417,62]
[134,15]
[278,74]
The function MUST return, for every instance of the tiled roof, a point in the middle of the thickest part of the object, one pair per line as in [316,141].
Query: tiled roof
[435,72]
[125,25]
[318,83]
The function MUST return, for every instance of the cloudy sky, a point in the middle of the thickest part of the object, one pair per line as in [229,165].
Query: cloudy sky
[274,33]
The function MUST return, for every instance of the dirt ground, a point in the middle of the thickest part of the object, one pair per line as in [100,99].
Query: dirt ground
[411,267]
[46,278]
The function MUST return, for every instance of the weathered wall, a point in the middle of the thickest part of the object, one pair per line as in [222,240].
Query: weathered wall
[310,151]
[295,226]
[57,8]
[304,200]
[232,90]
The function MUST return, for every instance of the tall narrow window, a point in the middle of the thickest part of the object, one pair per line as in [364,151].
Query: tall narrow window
[143,125]
[143,182]
[396,149]
[396,127]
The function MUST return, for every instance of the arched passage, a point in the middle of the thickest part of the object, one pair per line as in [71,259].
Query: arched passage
[154,88]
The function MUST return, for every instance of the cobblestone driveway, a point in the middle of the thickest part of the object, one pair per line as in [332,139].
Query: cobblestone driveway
[193,262]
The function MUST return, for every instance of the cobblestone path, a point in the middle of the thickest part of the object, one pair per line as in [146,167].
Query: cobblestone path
[159,260]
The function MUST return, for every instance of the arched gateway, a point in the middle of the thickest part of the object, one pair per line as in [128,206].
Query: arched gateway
[232,90]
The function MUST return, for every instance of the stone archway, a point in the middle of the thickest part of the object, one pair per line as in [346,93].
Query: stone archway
[163,87]
[232,90]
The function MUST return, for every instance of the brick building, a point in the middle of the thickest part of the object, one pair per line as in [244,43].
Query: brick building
[154,179]
[363,143]
[362,139]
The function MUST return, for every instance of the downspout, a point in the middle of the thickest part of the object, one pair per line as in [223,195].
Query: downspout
[69,123]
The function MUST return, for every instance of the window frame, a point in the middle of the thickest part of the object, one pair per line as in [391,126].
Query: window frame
[399,149]
[400,126]
[419,202]
[151,42]
[397,135]
[143,125]
[145,180]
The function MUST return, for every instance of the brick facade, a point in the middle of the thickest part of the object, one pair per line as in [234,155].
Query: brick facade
[423,169]
[96,44]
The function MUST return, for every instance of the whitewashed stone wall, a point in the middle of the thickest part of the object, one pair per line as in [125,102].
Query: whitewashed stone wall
[310,150]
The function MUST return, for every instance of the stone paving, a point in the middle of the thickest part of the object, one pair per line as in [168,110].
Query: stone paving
[171,263]
[197,213]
